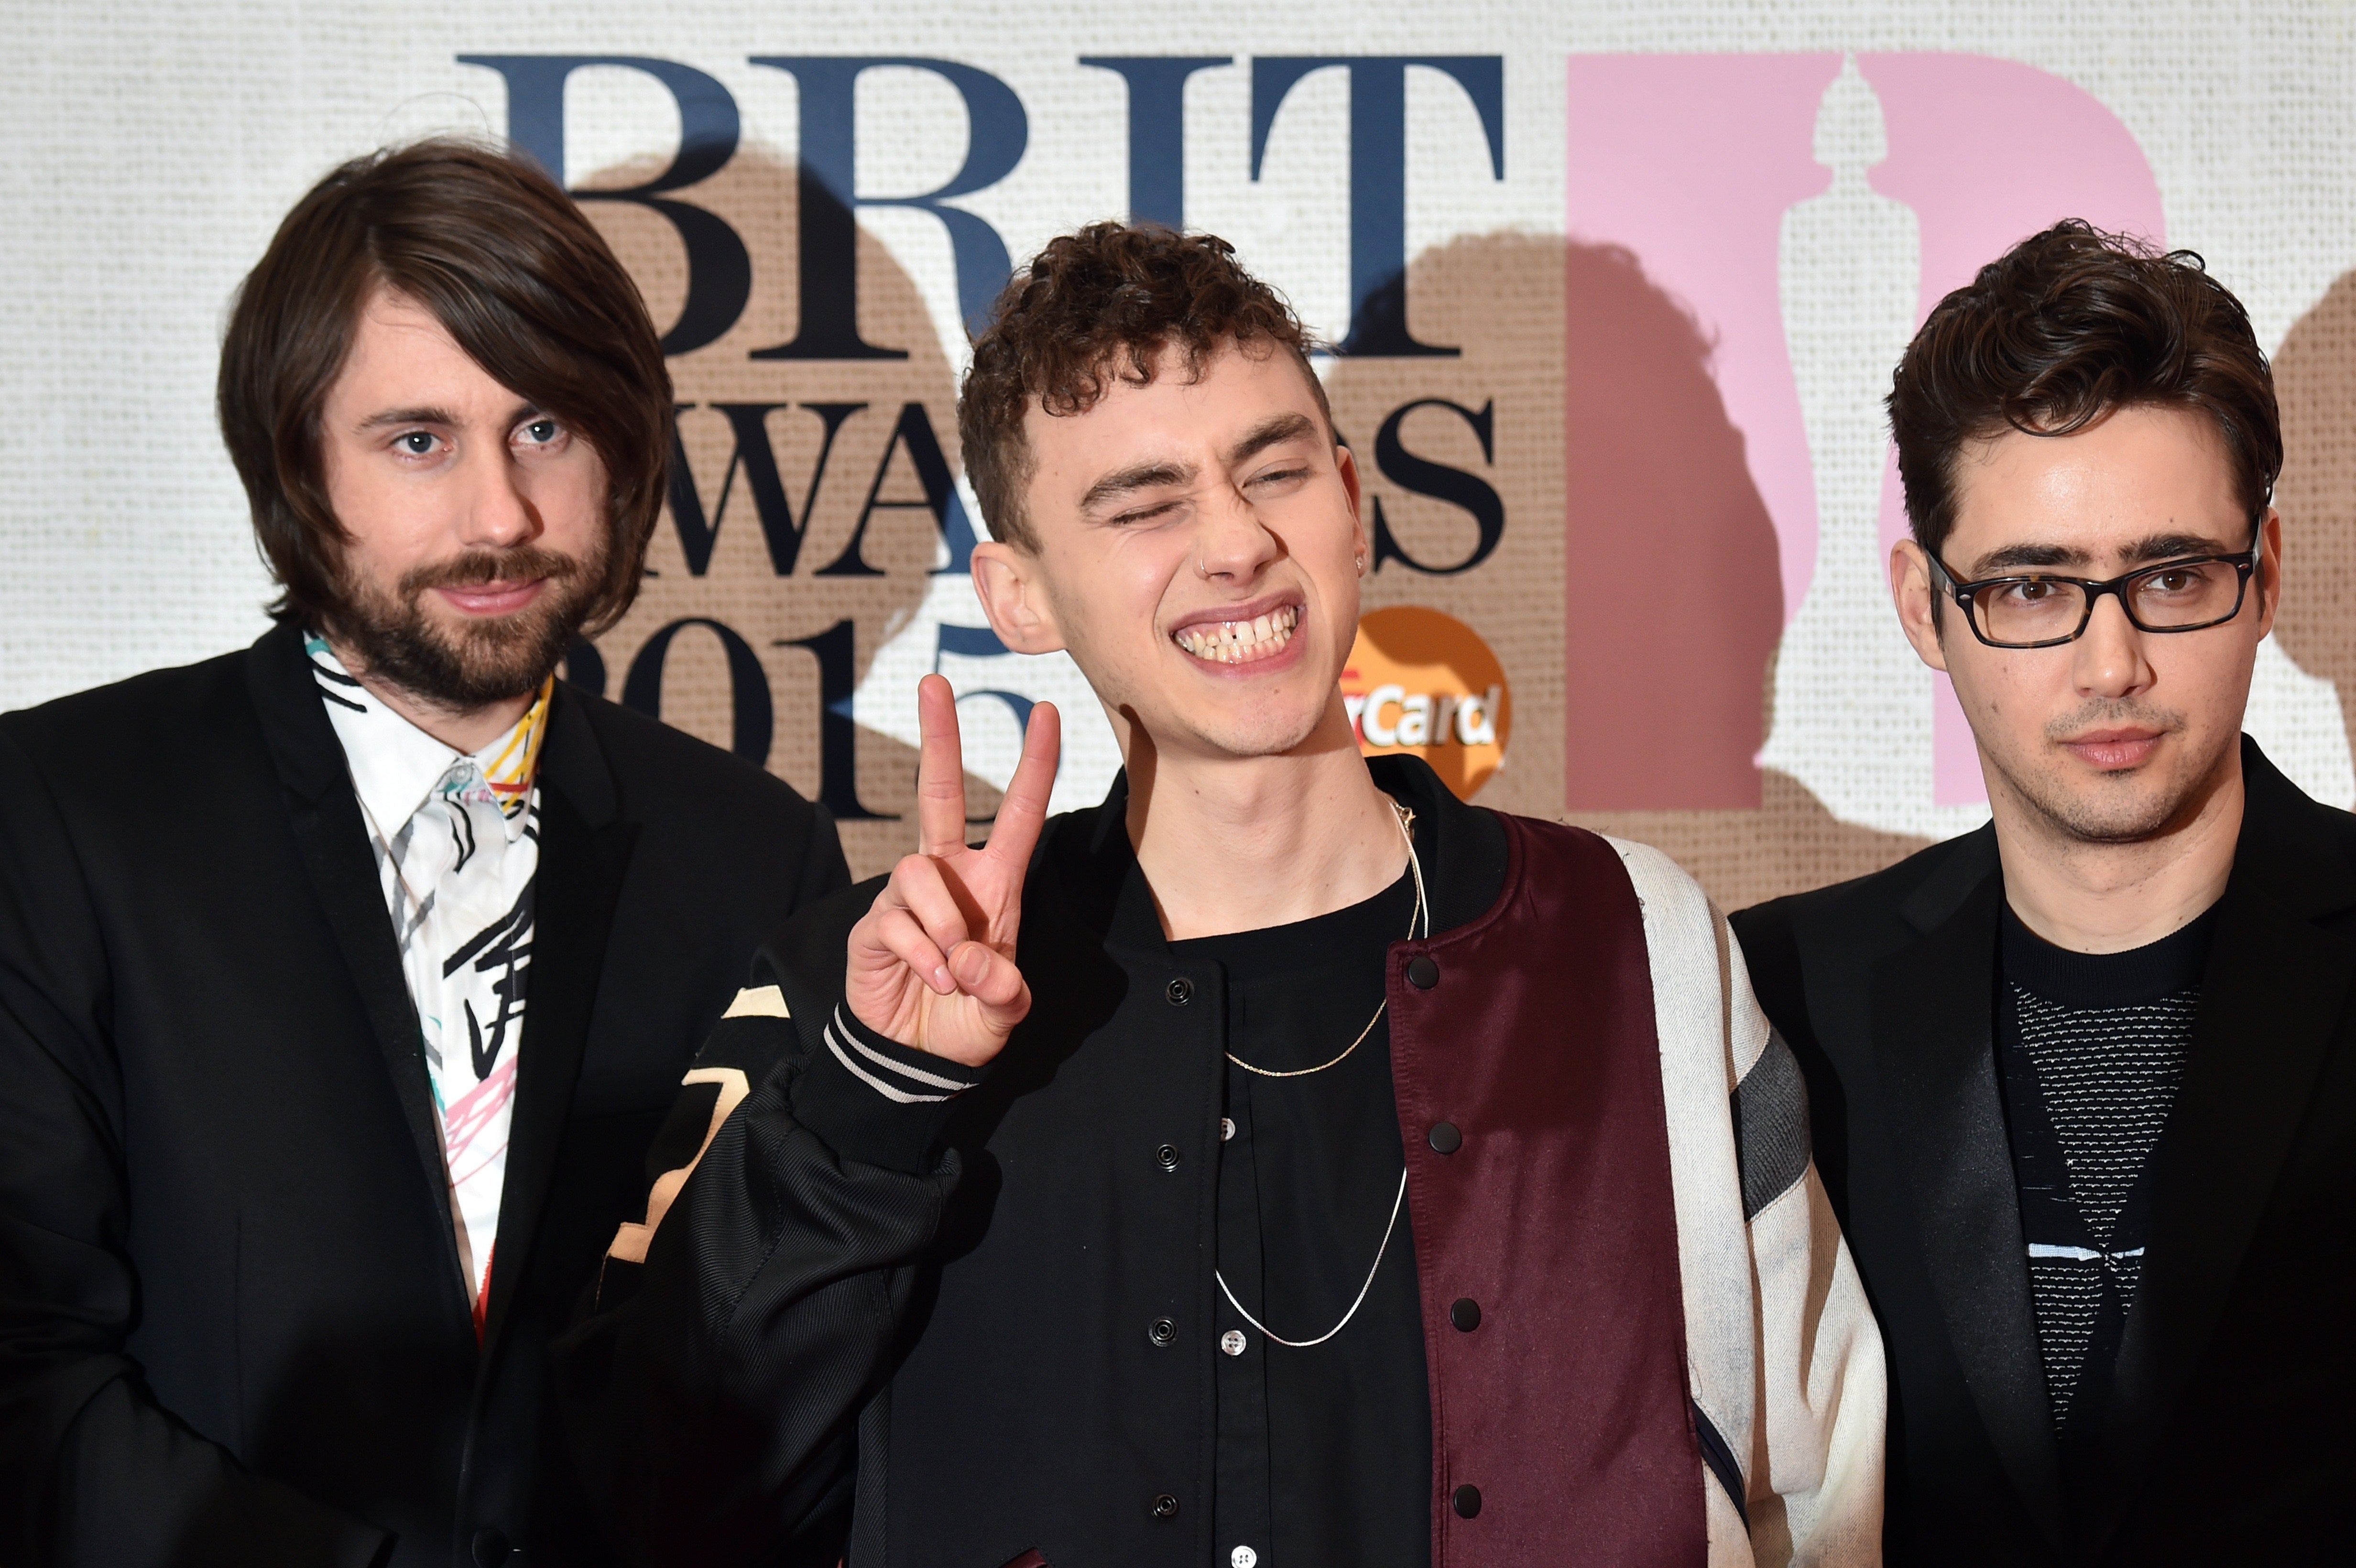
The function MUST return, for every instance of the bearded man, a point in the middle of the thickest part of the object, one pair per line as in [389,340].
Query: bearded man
[344,980]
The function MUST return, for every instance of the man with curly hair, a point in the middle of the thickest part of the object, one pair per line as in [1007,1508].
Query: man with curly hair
[1283,1161]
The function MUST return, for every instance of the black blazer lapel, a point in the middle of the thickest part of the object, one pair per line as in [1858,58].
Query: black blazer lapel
[2270,1002]
[325,817]
[585,851]
[1933,1006]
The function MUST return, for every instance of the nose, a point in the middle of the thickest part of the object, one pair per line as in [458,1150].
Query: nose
[2108,661]
[499,513]
[1231,541]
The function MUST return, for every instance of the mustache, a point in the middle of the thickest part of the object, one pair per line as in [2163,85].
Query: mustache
[476,568]
[2103,714]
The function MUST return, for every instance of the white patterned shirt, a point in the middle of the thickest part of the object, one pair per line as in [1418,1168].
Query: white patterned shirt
[457,847]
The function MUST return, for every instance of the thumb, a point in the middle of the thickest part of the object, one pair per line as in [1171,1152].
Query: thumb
[991,979]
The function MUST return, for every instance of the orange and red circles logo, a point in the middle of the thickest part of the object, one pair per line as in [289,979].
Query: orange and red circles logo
[1426,684]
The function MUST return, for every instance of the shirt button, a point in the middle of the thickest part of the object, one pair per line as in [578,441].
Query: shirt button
[1445,1138]
[1165,1505]
[1232,1342]
[1226,1128]
[1422,971]
[1166,1156]
[1465,1313]
[1162,1332]
[491,1547]
[1243,1557]
[1466,1502]
[1179,991]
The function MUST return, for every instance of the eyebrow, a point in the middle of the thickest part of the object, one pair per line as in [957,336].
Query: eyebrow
[2035,556]
[1274,431]
[1137,476]
[406,416]
[428,415]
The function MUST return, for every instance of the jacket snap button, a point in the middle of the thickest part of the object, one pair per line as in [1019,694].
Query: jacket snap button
[1164,1332]
[1466,1502]
[1179,991]
[1166,1156]
[1445,1138]
[1165,1505]
[1422,973]
[491,1547]
[1465,1313]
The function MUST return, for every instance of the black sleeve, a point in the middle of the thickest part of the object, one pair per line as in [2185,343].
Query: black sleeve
[824,870]
[713,1392]
[92,1471]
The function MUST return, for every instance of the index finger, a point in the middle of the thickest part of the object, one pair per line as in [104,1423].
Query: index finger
[1023,811]
[940,770]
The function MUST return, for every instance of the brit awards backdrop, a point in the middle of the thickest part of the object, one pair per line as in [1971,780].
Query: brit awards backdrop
[1612,294]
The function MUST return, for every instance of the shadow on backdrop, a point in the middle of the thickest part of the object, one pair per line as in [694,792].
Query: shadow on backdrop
[2315,381]
[809,502]
[1673,591]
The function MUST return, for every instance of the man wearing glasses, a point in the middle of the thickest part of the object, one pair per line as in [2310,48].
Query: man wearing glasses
[2084,1082]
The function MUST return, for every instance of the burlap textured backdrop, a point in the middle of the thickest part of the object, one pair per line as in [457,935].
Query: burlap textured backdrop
[1675,425]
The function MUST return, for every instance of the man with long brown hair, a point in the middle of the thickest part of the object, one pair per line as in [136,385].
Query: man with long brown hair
[2086,1079]
[1284,1161]
[343,980]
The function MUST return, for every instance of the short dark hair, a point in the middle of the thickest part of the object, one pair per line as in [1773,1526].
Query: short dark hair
[2062,329]
[508,265]
[1098,304]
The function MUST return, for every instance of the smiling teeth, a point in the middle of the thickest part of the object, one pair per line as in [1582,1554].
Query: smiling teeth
[1241,641]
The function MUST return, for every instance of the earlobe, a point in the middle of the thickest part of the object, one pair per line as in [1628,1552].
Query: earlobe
[2269,573]
[1347,467]
[1910,593]
[1006,582]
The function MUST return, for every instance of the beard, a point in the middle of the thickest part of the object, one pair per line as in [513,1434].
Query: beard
[482,660]
[2125,807]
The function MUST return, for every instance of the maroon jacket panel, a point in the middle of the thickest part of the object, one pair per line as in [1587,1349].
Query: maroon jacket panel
[1566,1407]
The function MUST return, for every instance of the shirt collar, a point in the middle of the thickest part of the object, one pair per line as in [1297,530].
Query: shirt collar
[396,766]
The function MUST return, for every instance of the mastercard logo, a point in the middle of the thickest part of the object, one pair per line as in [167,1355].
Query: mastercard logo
[1425,683]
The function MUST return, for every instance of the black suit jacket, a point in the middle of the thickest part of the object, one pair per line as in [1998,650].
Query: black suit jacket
[2229,1437]
[232,1327]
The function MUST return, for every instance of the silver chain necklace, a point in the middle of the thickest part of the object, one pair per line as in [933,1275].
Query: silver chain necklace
[1397,1203]
[1423,911]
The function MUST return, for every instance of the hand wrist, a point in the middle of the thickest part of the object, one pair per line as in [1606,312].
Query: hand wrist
[872,1099]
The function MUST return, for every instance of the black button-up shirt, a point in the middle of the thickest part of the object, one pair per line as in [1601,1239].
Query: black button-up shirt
[1324,1454]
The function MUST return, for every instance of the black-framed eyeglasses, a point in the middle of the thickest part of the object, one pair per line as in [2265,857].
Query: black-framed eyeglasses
[2038,610]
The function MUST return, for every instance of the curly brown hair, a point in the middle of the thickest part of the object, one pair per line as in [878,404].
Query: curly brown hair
[1097,304]
[513,271]
[2062,329]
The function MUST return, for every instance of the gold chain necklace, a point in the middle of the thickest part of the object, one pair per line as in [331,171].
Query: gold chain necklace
[1422,911]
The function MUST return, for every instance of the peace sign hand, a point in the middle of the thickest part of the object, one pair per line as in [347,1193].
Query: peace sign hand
[932,962]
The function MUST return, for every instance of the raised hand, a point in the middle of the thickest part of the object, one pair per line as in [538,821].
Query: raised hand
[932,962]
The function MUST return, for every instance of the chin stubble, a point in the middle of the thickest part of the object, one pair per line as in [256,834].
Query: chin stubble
[2116,809]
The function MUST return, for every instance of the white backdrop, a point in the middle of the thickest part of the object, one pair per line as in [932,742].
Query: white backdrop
[151,148]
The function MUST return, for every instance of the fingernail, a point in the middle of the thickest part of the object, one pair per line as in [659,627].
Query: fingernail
[941,981]
[972,965]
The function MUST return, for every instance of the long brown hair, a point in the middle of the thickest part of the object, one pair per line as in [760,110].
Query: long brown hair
[507,264]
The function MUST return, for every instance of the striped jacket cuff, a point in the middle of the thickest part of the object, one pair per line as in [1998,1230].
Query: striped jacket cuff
[874,1100]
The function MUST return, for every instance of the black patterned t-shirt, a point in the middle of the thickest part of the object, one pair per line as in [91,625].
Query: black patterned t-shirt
[2091,1050]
